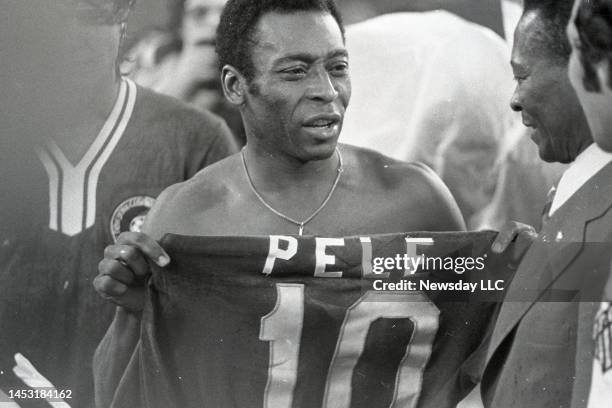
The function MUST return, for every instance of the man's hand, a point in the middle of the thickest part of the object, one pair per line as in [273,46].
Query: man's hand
[122,272]
[523,234]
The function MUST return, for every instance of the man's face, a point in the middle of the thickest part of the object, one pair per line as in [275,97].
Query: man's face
[200,21]
[301,88]
[60,38]
[597,105]
[54,47]
[548,104]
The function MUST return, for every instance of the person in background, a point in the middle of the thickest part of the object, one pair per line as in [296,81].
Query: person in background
[87,152]
[530,361]
[524,180]
[432,87]
[590,65]
[590,35]
[180,60]
[479,157]
[511,13]
[486,13]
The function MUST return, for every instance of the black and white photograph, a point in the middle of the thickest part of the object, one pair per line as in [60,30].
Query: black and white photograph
[306,203]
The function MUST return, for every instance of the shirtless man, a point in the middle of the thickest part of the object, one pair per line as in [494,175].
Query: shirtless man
[286,67]
[289,76]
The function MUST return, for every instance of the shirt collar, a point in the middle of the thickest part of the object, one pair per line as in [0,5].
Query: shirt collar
[586,165]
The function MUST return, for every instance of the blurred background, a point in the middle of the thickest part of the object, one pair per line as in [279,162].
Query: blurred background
[155,13]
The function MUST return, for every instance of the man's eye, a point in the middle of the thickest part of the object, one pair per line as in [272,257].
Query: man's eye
[340,69]
[294,73]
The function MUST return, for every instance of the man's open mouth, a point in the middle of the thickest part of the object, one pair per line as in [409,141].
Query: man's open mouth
[322,121]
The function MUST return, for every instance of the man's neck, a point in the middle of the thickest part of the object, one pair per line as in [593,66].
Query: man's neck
[85,108]
[280,172]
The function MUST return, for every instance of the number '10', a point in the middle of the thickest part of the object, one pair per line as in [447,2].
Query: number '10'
[282,327]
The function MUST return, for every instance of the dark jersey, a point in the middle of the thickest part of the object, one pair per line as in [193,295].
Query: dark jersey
[56,226]
[290,322]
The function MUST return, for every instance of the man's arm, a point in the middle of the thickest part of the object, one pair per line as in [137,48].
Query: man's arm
[121,278]
[126,264]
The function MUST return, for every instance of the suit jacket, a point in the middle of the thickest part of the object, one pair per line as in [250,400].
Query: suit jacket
[585,346]
[531,356]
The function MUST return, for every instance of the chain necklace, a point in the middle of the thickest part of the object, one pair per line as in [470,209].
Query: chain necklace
[300,224]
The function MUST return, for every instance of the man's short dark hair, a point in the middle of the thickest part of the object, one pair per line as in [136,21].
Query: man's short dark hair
[554,14]
[594,25]
[239,19]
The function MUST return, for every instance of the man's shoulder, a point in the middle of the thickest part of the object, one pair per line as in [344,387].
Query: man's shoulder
[592,201]
[155,110]
[385,171]
[402,188]
[210,183]
[180,207]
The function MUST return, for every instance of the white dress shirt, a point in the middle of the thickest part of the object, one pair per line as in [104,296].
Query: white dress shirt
[586,165]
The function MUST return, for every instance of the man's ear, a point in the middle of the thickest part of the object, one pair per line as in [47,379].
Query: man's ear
[234,85]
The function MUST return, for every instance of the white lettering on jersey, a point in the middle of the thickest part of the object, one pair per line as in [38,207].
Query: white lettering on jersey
[72,189]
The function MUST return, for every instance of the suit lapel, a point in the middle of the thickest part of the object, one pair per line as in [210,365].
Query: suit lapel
[559,243]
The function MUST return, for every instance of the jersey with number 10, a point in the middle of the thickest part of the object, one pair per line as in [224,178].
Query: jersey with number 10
[310,331]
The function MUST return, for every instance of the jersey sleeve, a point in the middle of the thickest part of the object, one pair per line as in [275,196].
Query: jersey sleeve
[186,140]
[223,145]
[211,142]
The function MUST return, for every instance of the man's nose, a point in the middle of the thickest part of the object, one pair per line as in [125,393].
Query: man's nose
[322,87]
[515,102]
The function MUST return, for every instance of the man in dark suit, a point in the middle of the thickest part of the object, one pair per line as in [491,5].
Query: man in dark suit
[530,361]
[590,34]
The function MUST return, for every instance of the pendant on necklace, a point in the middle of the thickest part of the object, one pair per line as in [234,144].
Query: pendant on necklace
[300,228]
